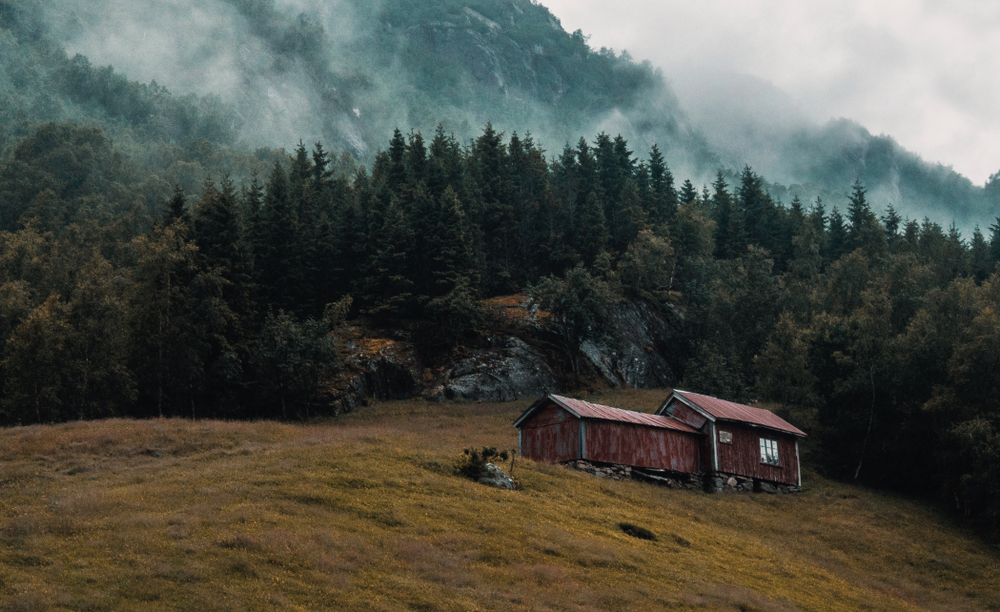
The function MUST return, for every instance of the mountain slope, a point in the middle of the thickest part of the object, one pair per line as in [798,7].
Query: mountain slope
[350,72]
[270,73]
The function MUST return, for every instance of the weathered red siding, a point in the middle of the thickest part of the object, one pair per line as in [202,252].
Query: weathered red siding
[551,434]
[638,446]
[682,412]
[742,456]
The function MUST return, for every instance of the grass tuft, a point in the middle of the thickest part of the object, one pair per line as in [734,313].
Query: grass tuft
[637,532]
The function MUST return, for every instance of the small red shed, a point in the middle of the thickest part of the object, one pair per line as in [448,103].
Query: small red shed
[740,440]
[560,429]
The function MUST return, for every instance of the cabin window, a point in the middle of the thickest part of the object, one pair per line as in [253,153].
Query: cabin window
[726,437]
[769,451]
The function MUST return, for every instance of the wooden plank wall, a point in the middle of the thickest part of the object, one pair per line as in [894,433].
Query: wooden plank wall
[742,457]
[551,434]
[638,446]
[681,411]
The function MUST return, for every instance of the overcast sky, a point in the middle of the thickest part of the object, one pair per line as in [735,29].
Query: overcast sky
[926,73]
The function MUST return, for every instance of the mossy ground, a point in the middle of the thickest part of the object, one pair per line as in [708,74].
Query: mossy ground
[364,513]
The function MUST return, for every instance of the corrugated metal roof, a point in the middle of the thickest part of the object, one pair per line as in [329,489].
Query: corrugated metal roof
[586,410]
[731,411]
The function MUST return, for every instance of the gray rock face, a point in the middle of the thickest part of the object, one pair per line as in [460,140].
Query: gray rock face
[636,362]
[388,378]
[641,364]
[508,371]
[390,373]
[496,477]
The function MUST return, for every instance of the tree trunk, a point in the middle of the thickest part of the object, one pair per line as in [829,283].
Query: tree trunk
[871,418]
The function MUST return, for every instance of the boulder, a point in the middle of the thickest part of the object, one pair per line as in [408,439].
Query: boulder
[494,476]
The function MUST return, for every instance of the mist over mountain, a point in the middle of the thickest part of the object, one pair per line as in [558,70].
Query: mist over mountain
[348,72]
[746,120]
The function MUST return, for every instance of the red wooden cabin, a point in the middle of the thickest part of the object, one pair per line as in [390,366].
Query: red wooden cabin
[740,440]
[689,433]
[561,429]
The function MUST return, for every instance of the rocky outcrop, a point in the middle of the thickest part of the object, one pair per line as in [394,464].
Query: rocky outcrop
[506,371]
[637,361]
[503,367]
[377,369]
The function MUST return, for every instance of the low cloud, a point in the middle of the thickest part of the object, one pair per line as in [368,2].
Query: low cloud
[921,72]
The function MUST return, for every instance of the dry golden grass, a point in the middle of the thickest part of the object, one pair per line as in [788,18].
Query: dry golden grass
[514,308]
[364,513]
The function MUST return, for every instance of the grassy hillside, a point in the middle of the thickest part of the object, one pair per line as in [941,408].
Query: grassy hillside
[363,512]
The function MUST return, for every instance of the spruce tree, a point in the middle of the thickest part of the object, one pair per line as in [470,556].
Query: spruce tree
[662,208]
[838,242]
[176,208]
[395,178]
[730,234]
[277,245]
[688,193]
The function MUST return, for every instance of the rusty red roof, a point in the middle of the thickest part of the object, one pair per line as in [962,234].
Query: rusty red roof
[731,411]
[586,410]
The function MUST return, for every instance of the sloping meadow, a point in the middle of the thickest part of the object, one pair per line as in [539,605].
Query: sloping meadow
[365,513]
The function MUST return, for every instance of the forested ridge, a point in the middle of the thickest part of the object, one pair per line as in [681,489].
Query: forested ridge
[878,335]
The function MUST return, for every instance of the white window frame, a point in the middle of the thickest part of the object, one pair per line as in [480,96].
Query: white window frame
[725,437]
[769,452]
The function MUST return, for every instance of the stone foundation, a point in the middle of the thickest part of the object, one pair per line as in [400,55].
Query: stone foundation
[715,482]
[720,482]
[609,470]
[669,479]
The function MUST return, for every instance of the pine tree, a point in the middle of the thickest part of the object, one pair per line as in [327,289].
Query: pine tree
[387,288]
[167,324]
[995,238]
[979,255]
[277,245]
[730,235]
[497,216]
[818,216]
[176,210]
[688,193]
[758,212]
[321,173]
[590,236]
[416,160]
[224,254]
[838,241]
[891,221]
[663,202]
[452,310]
[395,177]
[863,230]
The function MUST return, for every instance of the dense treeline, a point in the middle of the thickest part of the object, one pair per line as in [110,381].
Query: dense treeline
[879,335]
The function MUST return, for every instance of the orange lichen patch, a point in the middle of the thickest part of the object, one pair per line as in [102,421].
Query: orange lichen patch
[514,308]
[373,345]
[358,340]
